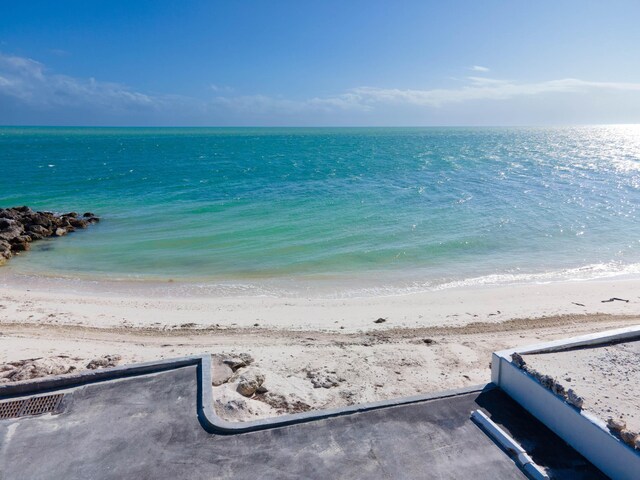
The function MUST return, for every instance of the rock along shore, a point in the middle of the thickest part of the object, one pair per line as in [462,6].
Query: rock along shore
[19,226]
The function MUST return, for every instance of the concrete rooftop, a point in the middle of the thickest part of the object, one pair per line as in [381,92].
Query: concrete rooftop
[153,425]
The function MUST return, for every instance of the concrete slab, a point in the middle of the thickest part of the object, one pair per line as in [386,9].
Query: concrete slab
[151,425]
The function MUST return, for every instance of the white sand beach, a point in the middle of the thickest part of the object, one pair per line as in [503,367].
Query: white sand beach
[427,342]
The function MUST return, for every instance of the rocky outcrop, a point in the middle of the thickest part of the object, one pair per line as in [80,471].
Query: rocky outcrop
[19,226]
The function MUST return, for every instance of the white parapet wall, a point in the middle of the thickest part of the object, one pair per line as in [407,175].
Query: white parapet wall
[585,433]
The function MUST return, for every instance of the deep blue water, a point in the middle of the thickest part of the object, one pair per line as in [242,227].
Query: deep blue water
[360,208]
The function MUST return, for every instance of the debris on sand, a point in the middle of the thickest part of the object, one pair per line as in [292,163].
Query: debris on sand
[105,361]
[613,299]
[283,403]
[34,368]
[324,379]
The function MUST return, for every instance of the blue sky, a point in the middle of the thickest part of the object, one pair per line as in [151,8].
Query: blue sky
[319,63]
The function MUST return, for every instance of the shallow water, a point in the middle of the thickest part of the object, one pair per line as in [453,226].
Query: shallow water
[364,210]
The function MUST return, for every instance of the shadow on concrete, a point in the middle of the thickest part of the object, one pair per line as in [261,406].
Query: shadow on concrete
[544,446]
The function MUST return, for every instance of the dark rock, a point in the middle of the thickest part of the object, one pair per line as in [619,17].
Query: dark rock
[8,213]
[21,239]
[42,219]
[78,223]
[262,389]
[38,231]
[65,222]
[88,214]
[21,243]
[517,360]
[19,226]
[546,381]
[380,320]
[10,229]
[574,399]
[558,389]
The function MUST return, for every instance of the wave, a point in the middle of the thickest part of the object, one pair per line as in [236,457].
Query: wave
[588,272]
[329,287]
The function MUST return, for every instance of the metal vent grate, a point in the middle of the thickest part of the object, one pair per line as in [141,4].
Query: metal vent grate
[11,409]
[30,406]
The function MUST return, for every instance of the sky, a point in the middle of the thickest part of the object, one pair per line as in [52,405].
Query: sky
[322,63]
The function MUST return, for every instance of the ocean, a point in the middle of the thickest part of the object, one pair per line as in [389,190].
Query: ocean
[342,211]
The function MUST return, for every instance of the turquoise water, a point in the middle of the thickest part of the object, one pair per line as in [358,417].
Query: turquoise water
[270,210]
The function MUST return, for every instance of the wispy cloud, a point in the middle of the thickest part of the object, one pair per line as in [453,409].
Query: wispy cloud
[479,68]
[58,52]
[477,89]
[484,89]
[27,85]
[30,82]
[220,88]
[262,104]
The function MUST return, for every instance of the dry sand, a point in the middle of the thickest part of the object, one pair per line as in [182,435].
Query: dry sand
[428,342]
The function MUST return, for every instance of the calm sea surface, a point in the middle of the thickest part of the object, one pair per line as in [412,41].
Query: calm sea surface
[352,211]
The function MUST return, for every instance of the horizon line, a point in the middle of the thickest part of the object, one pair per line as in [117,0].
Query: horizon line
[540,125]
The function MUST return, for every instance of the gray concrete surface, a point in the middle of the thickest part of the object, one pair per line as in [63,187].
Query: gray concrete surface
[150,427]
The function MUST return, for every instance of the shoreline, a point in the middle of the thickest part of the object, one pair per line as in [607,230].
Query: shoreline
[345,285]
[100,305]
